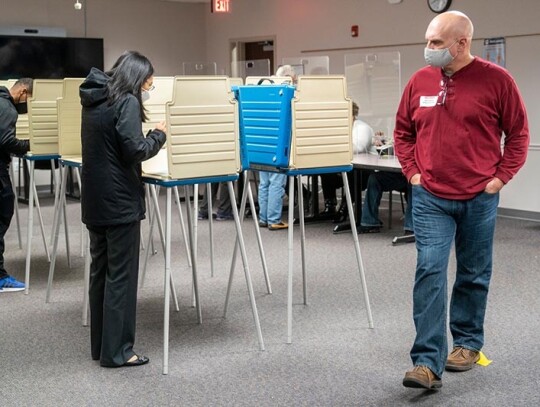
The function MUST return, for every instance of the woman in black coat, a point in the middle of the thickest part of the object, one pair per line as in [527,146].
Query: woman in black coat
[112,199]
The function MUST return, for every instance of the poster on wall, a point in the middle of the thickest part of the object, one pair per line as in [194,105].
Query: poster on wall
[495,50]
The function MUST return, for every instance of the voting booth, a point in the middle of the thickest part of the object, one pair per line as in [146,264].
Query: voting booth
[202,146]
[43,116]
[283,127]
[69,119]
[202,129]
[155,110]
[297,131]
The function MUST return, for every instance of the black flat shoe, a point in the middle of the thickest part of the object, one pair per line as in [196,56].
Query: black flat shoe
[141,360]
[341,215]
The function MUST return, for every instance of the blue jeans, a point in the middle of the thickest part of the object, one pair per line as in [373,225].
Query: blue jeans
[379,182]
[271,192]
[438,222]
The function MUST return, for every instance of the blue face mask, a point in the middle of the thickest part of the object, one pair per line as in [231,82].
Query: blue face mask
[438,57]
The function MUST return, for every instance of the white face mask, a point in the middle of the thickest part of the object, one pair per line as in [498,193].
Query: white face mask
[438,57]
[145,95]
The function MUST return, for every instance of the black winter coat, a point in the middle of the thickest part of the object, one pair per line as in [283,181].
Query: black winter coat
[9,144]
[113,147]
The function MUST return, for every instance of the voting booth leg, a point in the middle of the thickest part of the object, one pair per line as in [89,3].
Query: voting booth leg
[291,260]
[150,245]
[193,247]
[17,218]
[56,233]
[40,218]
[150,242]
[210,224]
[83,228]
[246,192]
[56,193]
[303,237]
[357,249]
[258,233]
[150,233]
[30,226]
[251,293]
[163,236]
[182,225]
[291,250]
[56,205]
[62,202]
[155,216]
[195,233]
[167,282]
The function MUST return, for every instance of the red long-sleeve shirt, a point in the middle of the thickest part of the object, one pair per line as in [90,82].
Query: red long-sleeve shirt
[449,129]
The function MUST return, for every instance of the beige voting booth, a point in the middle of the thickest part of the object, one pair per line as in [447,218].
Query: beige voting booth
[69,119]
[321,123]
[202,129]
[43,116]
[155,110]
[69,146]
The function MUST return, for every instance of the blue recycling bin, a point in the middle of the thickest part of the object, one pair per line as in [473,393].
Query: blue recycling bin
[265,125]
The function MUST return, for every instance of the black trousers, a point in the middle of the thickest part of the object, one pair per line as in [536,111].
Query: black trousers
[333,181]
[114,273]
[7,205]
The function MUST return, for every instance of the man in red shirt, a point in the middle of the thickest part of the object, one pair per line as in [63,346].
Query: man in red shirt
[448,133]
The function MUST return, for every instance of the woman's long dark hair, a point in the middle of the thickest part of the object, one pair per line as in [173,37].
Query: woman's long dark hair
[128,75]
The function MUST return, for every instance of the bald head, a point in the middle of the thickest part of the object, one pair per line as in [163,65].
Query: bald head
[452,30]
[454,23]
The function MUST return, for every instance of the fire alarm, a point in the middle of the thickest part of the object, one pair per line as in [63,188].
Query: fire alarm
[354,31]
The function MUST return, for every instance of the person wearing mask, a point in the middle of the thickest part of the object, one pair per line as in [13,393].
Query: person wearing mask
[448,133]
[12,103]
[112,200]
[272,184]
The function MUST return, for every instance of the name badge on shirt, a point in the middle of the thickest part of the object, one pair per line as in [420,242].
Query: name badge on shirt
[428,101]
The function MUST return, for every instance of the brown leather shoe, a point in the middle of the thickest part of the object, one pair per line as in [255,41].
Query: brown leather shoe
[461,359]
[421,377]
[278,226]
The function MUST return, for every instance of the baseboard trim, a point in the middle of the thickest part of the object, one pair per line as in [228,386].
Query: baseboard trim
[518,214]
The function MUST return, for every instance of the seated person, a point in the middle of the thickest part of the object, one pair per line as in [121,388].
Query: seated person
[379,182]
[224,211]
[362,138]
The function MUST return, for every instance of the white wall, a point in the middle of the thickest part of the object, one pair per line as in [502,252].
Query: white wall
[170,33]
[322,27]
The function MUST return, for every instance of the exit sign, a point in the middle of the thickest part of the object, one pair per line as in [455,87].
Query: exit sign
[221,6]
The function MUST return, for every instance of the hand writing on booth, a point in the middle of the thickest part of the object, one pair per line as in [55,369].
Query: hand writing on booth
[161,126]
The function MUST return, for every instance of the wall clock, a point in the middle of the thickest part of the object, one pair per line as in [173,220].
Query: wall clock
[439,6]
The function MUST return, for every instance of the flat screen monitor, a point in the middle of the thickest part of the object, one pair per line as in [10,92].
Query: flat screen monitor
[49,57]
